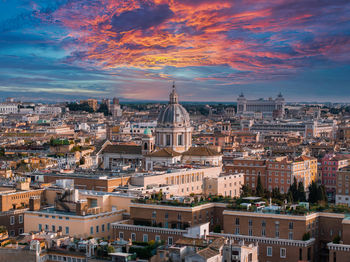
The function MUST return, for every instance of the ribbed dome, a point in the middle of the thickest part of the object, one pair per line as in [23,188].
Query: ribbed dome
[174,114]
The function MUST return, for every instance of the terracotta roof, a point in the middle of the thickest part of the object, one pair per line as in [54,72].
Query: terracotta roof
[217,244]
[207,253]
[165,152]
[201,151]
[191,242]
[303,158]
[123,149]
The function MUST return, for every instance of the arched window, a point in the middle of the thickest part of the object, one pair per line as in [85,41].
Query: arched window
[145,147]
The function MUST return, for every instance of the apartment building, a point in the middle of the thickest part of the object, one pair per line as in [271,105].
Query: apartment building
[91,102]
[275,172]
[224,185]
[252,167]
[342,186]
[330,165]
[74,215]
[185,180]
[13,203]
[281,172]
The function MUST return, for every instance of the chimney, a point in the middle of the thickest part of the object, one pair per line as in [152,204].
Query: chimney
[34,203]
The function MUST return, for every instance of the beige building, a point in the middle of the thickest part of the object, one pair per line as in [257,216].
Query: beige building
[187,180]
[72,224]
[78,214]
[343,187]
[224,185]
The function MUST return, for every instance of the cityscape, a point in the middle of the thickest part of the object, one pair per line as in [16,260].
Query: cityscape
[172,130]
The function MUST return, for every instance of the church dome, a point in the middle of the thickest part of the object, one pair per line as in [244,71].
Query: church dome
[147,132]
[174,115]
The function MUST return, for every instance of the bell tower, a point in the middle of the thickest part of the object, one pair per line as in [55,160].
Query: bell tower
[147,141]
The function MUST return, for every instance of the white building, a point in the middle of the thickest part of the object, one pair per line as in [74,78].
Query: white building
[48,110]
[267,107]
[8,108]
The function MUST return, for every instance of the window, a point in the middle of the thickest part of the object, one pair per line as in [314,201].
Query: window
[170,240]
[179,216]
[154,214]
[60,228]
[108,226]
[290,225]
[237,221]
[91,230]
[237,231]
[250,222]
[250,232]
[12,220]
[283,252]
[263,232]
[168,140]
[290,235]
[20,231]
[103,228]
[67,230]
[157,238]
[97,229]
[53,228]
[20,219]
[180,140]
[40,227]
[263,223]
[133,237]
[145,238]
[277,230]
[269,252]
[46,227]
[121,235]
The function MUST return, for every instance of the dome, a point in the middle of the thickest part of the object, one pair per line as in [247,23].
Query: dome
[174,114]
[147,132]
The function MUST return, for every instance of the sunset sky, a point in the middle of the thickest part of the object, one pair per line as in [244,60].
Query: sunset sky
[214,50]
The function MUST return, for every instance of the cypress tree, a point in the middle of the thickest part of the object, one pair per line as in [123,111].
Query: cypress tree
[259,188]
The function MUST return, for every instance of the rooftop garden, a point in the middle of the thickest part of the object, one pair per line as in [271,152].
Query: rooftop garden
[191,201]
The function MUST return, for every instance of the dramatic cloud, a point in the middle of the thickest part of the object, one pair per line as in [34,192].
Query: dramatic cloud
[219,45]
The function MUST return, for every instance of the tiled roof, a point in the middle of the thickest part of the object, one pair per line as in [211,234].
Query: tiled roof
[123,149]
[207,253]
[165,152]
[201,151]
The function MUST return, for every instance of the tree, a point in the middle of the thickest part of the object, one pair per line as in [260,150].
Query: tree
[313,192]
[276,194]
[246,191]
[293,189]
[301,192]
[321,194]
[103,109]
[259,190]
